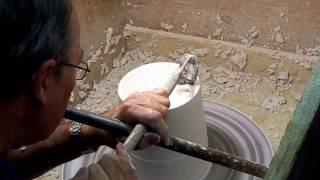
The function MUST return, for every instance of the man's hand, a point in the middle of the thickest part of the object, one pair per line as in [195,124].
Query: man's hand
[109,167]
[149,108]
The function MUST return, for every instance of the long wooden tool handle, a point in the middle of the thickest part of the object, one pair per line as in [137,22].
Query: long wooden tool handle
[135,136]
[178,144]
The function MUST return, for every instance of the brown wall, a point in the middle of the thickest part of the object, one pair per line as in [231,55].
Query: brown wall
[300,23]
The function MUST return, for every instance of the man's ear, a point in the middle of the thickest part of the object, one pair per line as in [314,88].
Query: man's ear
[41,81]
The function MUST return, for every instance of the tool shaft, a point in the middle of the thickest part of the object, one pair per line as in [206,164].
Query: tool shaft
[177,144]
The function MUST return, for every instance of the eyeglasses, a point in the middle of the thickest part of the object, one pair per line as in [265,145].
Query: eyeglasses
[82,67]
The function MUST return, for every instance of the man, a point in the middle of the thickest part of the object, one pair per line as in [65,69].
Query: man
[39,55]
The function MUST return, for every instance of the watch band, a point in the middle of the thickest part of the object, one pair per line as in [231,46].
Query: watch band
[77,138]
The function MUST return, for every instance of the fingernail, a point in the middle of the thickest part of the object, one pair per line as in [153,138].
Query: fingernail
[168,141]
[121,146]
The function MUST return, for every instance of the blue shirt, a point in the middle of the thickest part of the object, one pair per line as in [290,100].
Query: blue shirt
[6,172]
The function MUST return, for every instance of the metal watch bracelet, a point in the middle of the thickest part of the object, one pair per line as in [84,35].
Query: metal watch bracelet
[76,138]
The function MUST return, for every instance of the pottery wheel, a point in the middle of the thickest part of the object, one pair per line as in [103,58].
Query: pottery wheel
[228,130]
[233,132]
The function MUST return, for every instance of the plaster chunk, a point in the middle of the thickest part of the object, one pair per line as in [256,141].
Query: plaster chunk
[239,59]
[167,27]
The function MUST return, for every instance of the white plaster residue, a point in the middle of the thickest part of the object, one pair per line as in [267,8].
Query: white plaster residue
[95,56]
[71,99]
[184,27]
[217,53]
[167,27]
[217,32]
[104,69]
[239,59]
[272,102]
[108,37]
[279,38]
[201,52]
[283,76]
[219,19]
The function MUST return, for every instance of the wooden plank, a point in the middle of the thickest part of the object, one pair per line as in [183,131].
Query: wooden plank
[296,131]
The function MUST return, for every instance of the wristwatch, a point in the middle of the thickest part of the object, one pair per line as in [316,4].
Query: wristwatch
[76,138]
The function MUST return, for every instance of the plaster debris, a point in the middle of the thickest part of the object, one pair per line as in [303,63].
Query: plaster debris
[273,66]
[71,99]
[313,51]
[246,41]
[277,136]
[277,28]
[217,33]
[272,102]
[201,52]
[226,54]
[296,96]
[126,34]
[279,38]
[82,94]
[282,14]
[113,42]
[104,69]
[306,65]
[275,55]
[184,27]
[271,72]
[131,21]
[108,37]
[253,32]
[167,27]
[218,19]
[284,76]
[239,59]
[217,53]
[299,50]
[119,61]
[177,54]
[95,56]
[137,39]
[114,50]
[83,86]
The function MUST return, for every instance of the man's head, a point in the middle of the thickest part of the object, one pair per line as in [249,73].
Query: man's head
[37,38]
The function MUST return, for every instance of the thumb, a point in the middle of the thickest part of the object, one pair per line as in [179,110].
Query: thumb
[121,151]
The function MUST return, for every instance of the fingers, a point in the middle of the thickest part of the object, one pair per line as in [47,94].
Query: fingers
[118,166]
[150,100]
[160,98]
[121,151]
[149,108]
[161,92]
[152,119]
